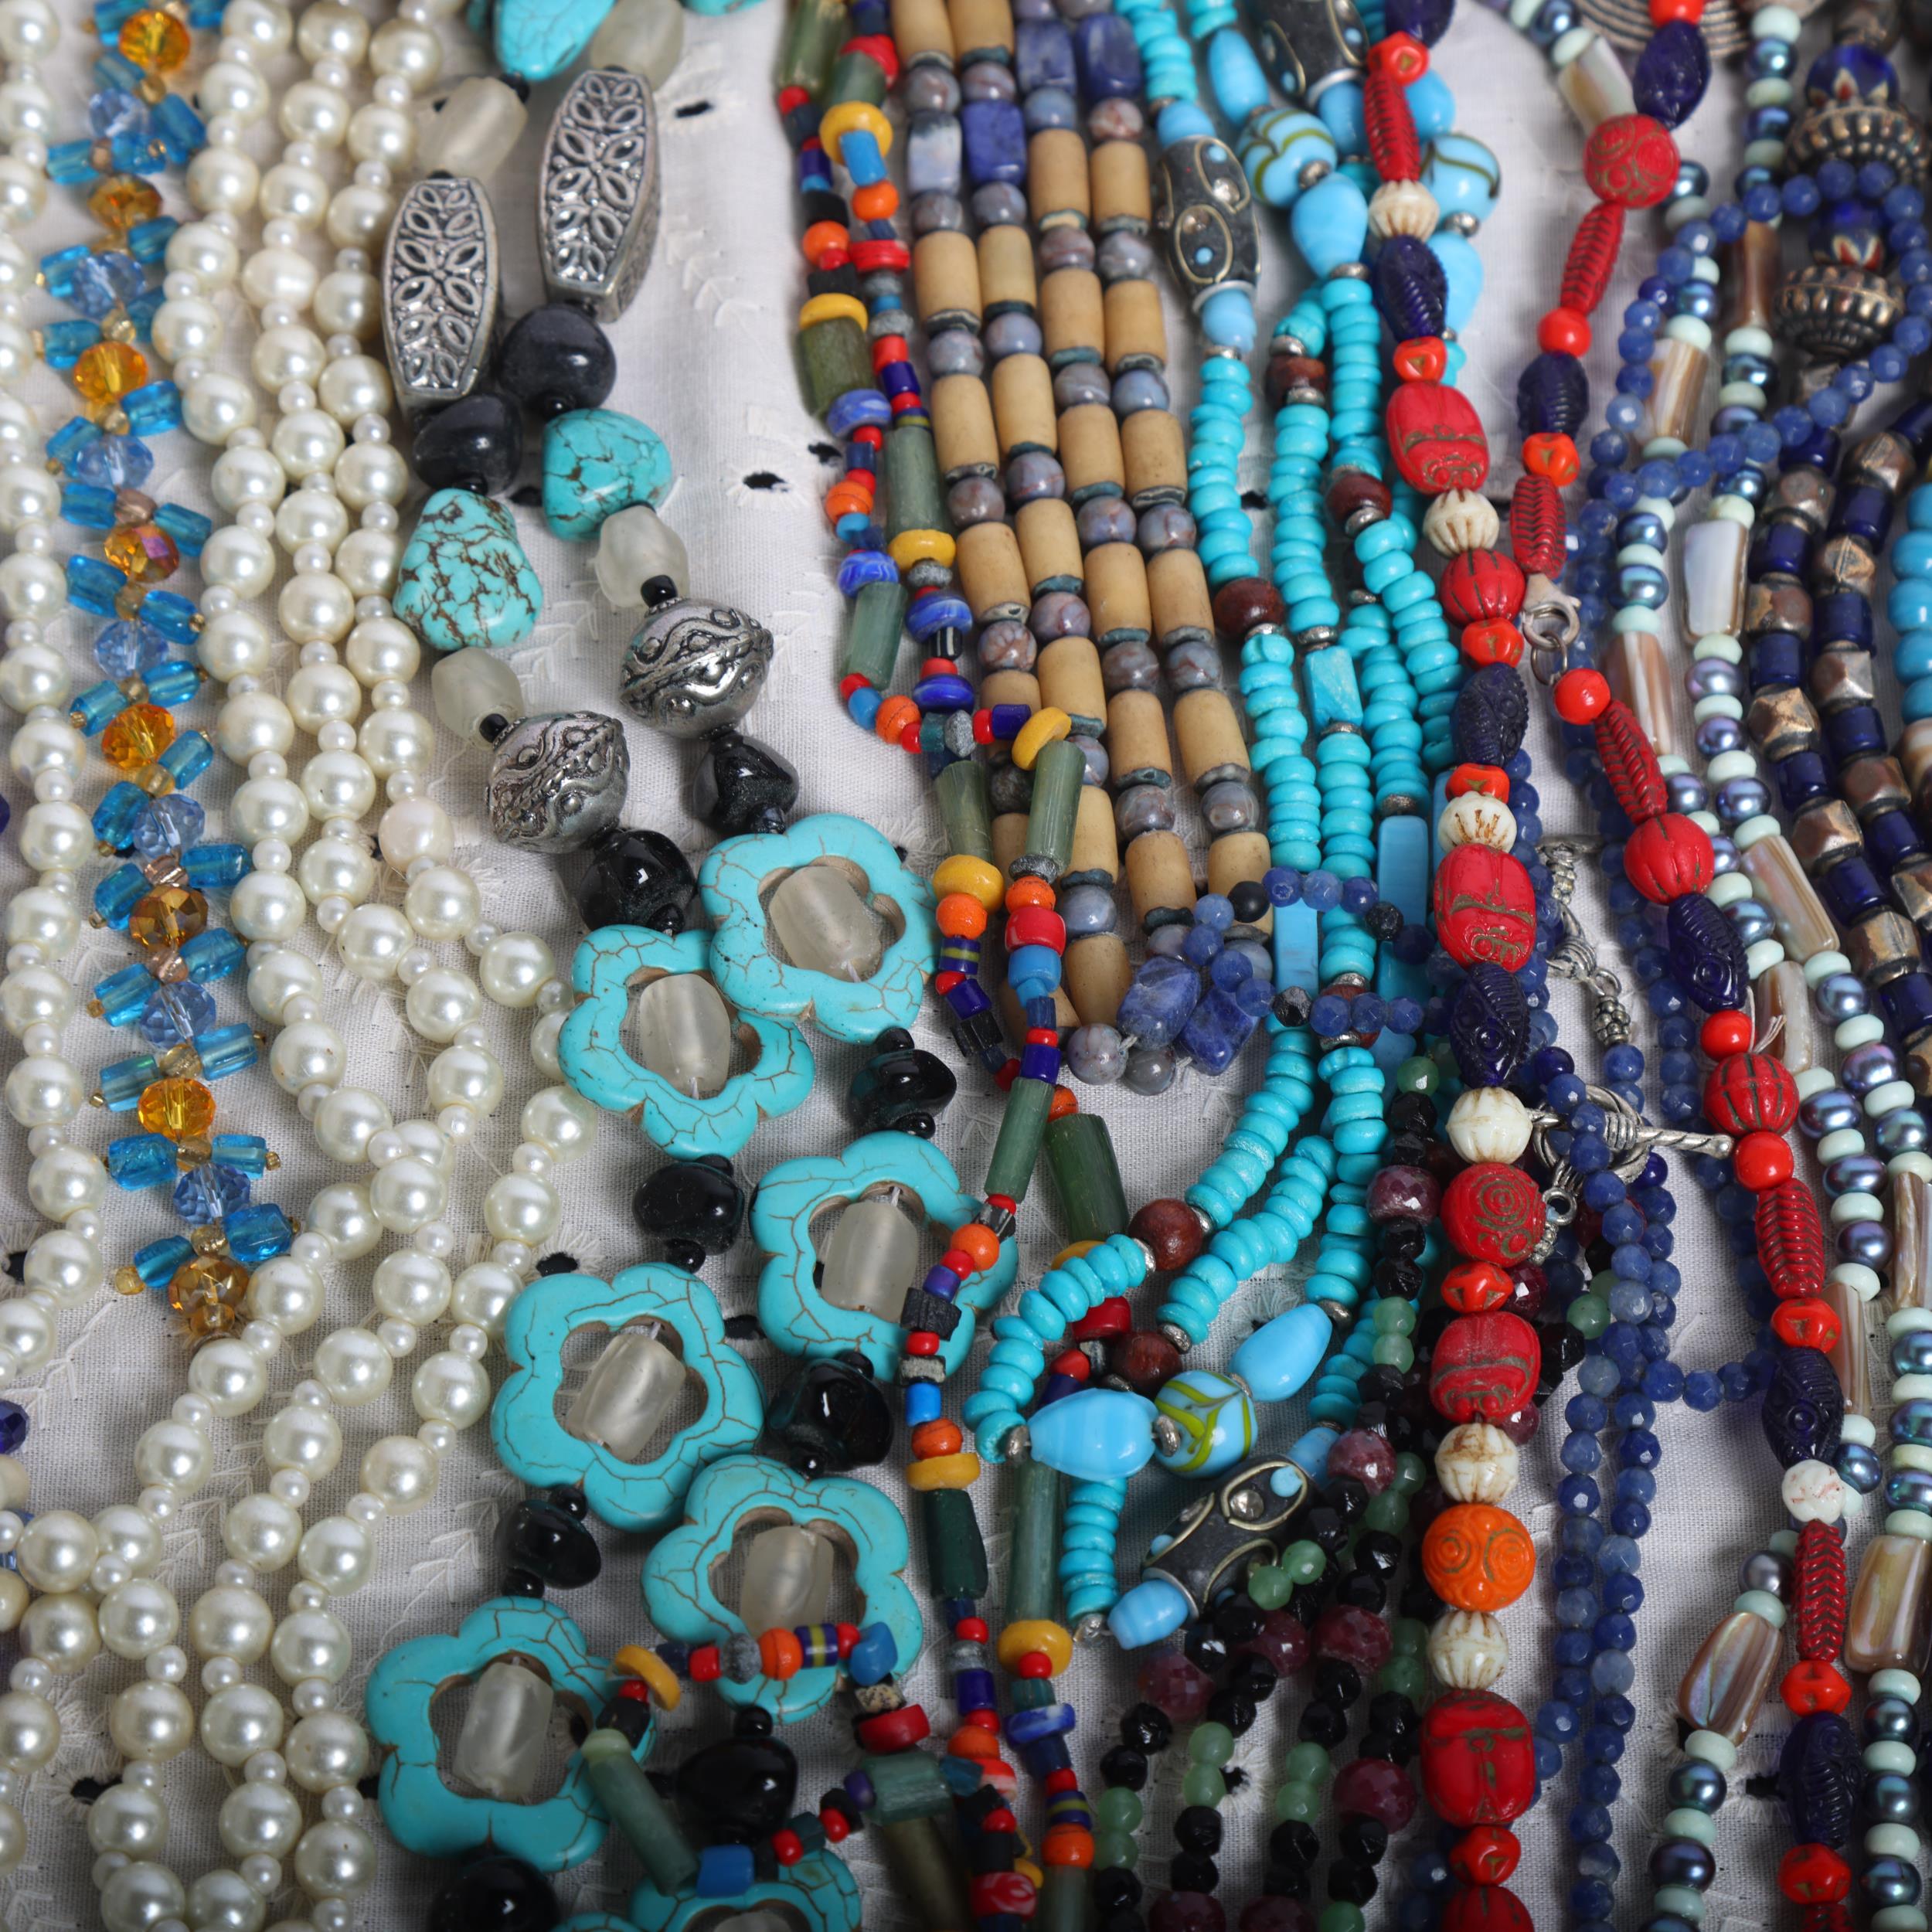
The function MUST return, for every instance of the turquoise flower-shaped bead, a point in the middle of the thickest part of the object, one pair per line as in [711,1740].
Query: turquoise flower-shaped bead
[679,1573]
[828,889]
[422,1812]
[818,1894]
[533,1443]
[598,1066]
[793,1310]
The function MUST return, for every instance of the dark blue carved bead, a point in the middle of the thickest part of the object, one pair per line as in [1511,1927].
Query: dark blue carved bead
[1818,1774]
[1803,1410]
[1410,288]
[1428,20]
[1553,395]
[1491,716]
[1672,72]
[1489,1026]
[1706,955]
[1848,72]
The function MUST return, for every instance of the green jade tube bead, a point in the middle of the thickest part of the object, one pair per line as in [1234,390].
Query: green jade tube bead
[873,637]
[1079,1156]
[832,361]
[906,1785]
[955,1551]
[913,497]
[1059,773]
[856,77]
[1033,1581]
[627,1792]
[1010,1171]
[965,802]
[817,29]
[1062,1903]
[927,1874]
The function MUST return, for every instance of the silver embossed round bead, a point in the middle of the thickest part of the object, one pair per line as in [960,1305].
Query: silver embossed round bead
[694,666]
[558,782]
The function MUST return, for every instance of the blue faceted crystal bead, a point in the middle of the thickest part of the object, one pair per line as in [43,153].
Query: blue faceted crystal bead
[176,1013]
[172,824]
[205,1194]
[13,1426]
[258,1233]
[116,462]
[114,111]
[129,648]
[100,284]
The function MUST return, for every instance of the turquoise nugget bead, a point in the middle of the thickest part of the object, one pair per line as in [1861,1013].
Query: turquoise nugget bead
[596,462]
[463,578]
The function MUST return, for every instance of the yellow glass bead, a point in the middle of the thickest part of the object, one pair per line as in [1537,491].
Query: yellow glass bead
[169,917]
[1052,1641]
[207,1293]
[835,122]
[109,370]
[138,737]
[145,551]
[832,308]
[1073,1252]
[974,877]
[123,202]
[1045,727]
[177,1108]
[127,1282]
[959,1471]
[155,41]
[922,546]
[651,1670]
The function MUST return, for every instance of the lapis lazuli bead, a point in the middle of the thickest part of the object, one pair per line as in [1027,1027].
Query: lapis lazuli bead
[1156,1005]
[995,141]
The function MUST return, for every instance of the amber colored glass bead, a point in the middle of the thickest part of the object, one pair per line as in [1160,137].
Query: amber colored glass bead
[170,916]
[179,1108]
[109,370]
[207,1292]
[138,737]
[145,551]
[154,41]
[123,202]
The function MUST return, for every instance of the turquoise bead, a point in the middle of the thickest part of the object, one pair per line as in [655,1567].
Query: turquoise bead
[1431,106]
[1912,555]
[1235,75]
[1909,605]
[537,38]
[1914,657]
[1463,175]
[1918,507]
[1148,1613]
[1462,269]
[1278,1359]
[1096,1435]
[1331,221]
[463,578]
[596,462]
[1215,1418]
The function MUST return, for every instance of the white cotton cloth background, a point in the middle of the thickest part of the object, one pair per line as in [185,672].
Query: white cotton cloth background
[706,358]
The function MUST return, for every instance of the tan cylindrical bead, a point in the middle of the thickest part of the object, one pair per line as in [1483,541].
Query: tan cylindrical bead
[1754,270]
[1097,973]
[992,577]
[1022,388]
[946,281]
[1155,454]
[1136,329]
[1073,317]
[1096,849]
[1159,875]
[981,27]
[962,430]
[1006,277]
[1136,736]
[1123,191]
[1064,1015]
[1239,855]
[1069,672]
[1010,687]
[1178,594]
[1090,451]
[1210,736]
[1009,837]
[1056,195]
[921,30]
[1117,594]
[1049,546]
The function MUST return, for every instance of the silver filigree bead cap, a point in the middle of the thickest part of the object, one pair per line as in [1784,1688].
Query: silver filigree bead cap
[694,666]
[558,782]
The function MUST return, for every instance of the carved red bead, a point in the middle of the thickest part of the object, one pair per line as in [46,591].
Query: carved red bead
[1790,1240]
[1822,1578]
[1592,260]
[1485,907]
[1485,1855]
[1494,1213]
[1436,438]
[1487,1908]
[1478,1759]
[1750,1093]
[1485,1365]
[1629,762]
[1537,526]
[1807,1322]
[1668,858]
[1631,161]
[1481,583]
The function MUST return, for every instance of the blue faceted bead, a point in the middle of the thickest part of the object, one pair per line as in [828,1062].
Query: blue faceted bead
[13,1426]
[176,1013]
[114,111]
[129,648]
[100,283]
[208,1193]
[168,824]
[119,462]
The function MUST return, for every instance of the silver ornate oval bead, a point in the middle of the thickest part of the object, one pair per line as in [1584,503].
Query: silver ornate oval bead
[558,782]
[440,288]
[1308,45]
[694,666]
[1204,212]
[598,192]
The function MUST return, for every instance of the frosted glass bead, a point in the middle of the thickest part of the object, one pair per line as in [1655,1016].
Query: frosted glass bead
[469,686]
[473,131]
[635,545]
[871,1258]
[787,1579]
[681,1030]
[504,1732]
[629,1391]
[824,925]
[642,37]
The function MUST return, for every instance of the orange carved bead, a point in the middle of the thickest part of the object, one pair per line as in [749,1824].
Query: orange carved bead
[1478,1557]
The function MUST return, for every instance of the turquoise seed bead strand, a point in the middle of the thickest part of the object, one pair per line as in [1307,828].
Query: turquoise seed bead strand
[1089,1532]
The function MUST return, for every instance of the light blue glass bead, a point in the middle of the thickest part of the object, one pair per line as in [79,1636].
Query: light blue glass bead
[1340,109]
[1279,147]
[1147,1613]
[1462,267]
[596,462]
[1278,1359]
[463,578]
[1096,1435]
[1215,1419]
[1431,106]
[1330,223]
[1240,85]
[1463,175]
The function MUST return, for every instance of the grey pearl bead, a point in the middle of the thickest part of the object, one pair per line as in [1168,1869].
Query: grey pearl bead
[1033,474]
[1143,808]
[989,81]
[1750,483]
[1753,921]
[1891,1798]
[1912,1351]
[1006,644]
[558,782]
[1097,1055]
[998,204]
[1869,1067]
[1766,1570]
[1902,1132]
[1164,526]
[956,351]
[1840,996]
[937,214]
[975,499]
[1888,1719]
[1119,119]
[1009,788]
[694,666]
[931,90]
[1194,666]
[1716,736]
[1724,854]
[1697,1786]
[1687,791]
[1098,763]
[1165,942]
[1079,383]
[1104,519]
[1869,1242]
[1713,678]
[1060,613]
[1063,247]
[1230,806]
[1088,910]
[1151,1069]
[1138,388]
[1855,1174]
[1013,333]
[1682,1861]
[1890,1881]
[1131,666]
[1828,1112]
[1124,257]
[1741,798]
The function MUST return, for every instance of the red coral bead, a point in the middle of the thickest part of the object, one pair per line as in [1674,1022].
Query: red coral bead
[1749,1093]
[1492,641]
[1494,1213]
[1474,1287]
[1484,1367]
[1549,454]
[1580,695]
[890,1731]
[1436,438]
[1763,1160]
[1564,332]
[1487,1908]
[1668,858]
[1491,780]
[1485,907]
[1422,358]
[1813,1875]
[1486,1855]
[1478,1759]
[1631,161]
[1481,583]
[1401,55]
[1811,1684]
[1806,1322]
[1725,1034]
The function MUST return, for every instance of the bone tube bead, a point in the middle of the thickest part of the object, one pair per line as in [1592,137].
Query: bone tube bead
[1754,276]
[1022,388]
[962,430]
[1152,448]
[1891,1607]
[992,576]
[1123,191]
[1009,841]
[981,28]
[1098,974]
[1010,687]
[1090,452]
[1851,1354]
[1235,856]
[1639,676]
[1117,594]
[1136,330]
[1049,546]
[1006,277]
[1179,598]
[1069,678]
[1212,745]
[1159,878]
[1910,1285]
[1136,738]
[1096,850]
[1677,370]
[1073,317]
[1056,185]
[922,30]
[946,281]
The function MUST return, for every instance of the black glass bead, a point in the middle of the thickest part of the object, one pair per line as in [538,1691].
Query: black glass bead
[1323,1525]
[1197,1828]
[1322,1724]
[1250,899]
[696,1208]
[1295,1843]
[901,1087]
[1253,1677]
[1394,1751]
[1377,1550]
[829,1416]
[557,359]
[1411,288]
[741,786]
[1401,1280]
[739,1791]
[1289,1007]
[1707,953]
[1391,1711]
[1346,1496]
[1146,1727]
[1404,1150]
[520,1583]
[637,878]
[1419,1601]
[1803,1410]
[1489,1022]
[1188,1871]
[1412,1113]
[1336,1683]
[1307,1604]
[1672,72]
[548,1541]
[1114,1889]
[1491,715]
[1205,1651]
[1819,1777]
[1362,1589]
[1124,1765]
[1238,1619]
[495,1895]
[1229,1707]
[1383,921]
[1363,1838]
[1350,1884]
[1552,395]
[1402,1240]
[475,444]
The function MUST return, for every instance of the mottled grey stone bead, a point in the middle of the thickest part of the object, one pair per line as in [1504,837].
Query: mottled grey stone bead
[1104,519]
[1151,1069]
[1097,1055]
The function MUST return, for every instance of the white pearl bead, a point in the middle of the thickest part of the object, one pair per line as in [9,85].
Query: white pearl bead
[254,722]
[269,808]
[416,829]
[380,649]
[151,1720]
[411,1287]
[450,1388]
[64,1265]
[561,1122]
[137,1617]
[342,1213]
[214,406]
[30,676]
[31,586]
[230,1620]
[140,1897]
[35,996]
[302,1438]
[129,1537]
[327,1749]
[267,906]
[408,1194]
[373,941]
[278,977]
[260,1531]
[394,740]
[336,1553]
[377,133]
[442,903]
[171,1453]
[56,837]
[199,249]
[259,1817]
[359,215]
[240,1721]
[338,868]
[297,194]
[228,1375]
[62,1631]
[337,784]
[44,744]
[441,1003]
[45,1092]
[29,1731]
[245,473]
[234,645]
[369,562]
[127,1818]
[348,302]
[236,556]
[65,1180]
[543,1044]
[220,1900]
[334,1861]
[27,495]
[228,87]
[513,969]
[345,1121]
[56,1550]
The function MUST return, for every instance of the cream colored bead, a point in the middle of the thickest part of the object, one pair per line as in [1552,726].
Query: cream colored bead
[335,1554]
[441,1003]
[380,648]
[1459,521]
[29,1730]
[228,1375]
[478,126]
[1812,1492]
[369,561]
[1467,1650]
[151,1721]
[400,1472]
[415,828]
[227,87]
[260,1531]
[170,1452]
[442,903]
[328,31]
[236,557]
[1402,208]
[515,967]
[279,275]
[359,216]
[307,442]
[1476,1462]
[62,1631]
[292,193]
[310,1643]
[1476,818]
[411,1287]
[451,1388]
[338,785]
[387,134]
[1488,1124]
[349,302]
[56,1550]
[240,1721]
[372,940]
[137,1617]
[327,1750]
[199,249]
[337,867]
[310,111]
[301,1437]
[643,37]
